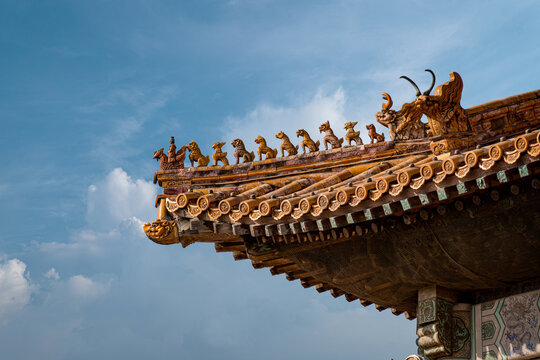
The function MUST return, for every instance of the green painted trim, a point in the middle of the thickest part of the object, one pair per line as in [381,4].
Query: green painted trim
[423,199]
[387,209]
[523,171]
[461,188]
[473,335]
[405,204]
[333,222]
[367,214]
[501,175]
[481,182]
[501,330]
[350,219]
[441,193]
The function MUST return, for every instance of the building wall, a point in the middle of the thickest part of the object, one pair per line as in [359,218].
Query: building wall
[508,328]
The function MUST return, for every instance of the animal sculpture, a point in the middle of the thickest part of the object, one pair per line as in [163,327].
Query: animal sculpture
[265,149]
[329,137]
[219,155]
[307,142]
[241,152]
[443,109]
[352,135]
[196,155]
[286,145]
[404,124]
[373,134]
[165,162]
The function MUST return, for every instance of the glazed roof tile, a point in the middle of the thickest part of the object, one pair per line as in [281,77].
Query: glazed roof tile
[311,201]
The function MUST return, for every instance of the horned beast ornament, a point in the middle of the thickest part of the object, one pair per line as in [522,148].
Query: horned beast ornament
[443,109]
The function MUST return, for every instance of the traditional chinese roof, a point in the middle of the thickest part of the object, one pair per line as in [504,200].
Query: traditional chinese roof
[377,222]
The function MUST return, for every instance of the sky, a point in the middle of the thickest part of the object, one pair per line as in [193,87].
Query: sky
[89,89]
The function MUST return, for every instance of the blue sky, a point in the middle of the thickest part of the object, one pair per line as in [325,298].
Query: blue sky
[88,90]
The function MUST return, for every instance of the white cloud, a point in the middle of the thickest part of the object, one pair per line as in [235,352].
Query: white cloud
[267,120]
[86,288]
[52,274]
[119,198]
[15,286]
[116,209]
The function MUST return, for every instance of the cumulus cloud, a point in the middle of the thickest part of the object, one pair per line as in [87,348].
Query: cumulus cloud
[15,286]
[118,198]
[86,288]
[116,205]
[267,120]
[52,274]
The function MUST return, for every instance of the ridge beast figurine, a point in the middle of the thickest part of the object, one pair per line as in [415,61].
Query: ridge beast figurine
[352,135]
[196,155]
[307,142]
[175,160]
[286,145]
[241,152]
[219,155]
[404,124]
[329,137]
[373,134]
[264,149]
